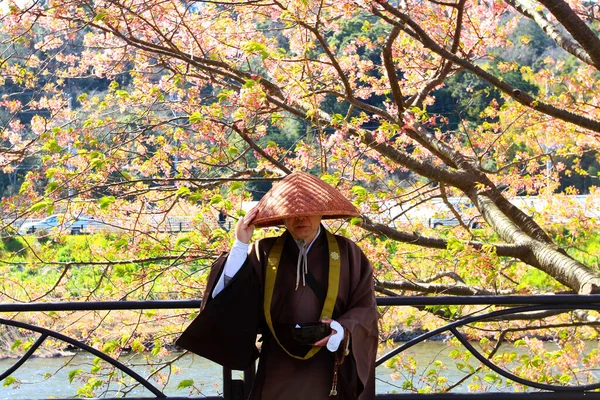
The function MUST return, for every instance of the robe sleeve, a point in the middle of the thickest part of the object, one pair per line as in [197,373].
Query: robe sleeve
[360,319]
[225,330]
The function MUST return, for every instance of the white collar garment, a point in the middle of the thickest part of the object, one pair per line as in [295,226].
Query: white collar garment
[302,257]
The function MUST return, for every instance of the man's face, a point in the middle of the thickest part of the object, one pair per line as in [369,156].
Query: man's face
[303,227]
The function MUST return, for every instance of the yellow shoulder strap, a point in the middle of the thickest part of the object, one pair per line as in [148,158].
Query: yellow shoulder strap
[333,286]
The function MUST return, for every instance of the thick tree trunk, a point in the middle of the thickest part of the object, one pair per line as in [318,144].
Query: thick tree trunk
[542,255]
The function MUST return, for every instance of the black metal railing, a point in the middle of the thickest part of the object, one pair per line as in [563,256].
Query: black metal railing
[234,389]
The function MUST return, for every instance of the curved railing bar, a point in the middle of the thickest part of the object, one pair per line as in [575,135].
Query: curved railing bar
[510,375]
[476,318]
[381,301]
[517,300]
[100,305]
[85,347]
[516,310]
[536,302]
[24,358]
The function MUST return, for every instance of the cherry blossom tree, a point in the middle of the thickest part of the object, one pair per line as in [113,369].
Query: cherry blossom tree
[154,114]
[194,89]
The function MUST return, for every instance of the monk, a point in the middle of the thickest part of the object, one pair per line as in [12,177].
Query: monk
[281,285]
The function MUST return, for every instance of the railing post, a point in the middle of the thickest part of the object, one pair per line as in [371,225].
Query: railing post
[226,383]
[249,374]
[233,389]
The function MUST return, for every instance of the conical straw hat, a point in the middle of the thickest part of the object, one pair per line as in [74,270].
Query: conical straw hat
[302,194]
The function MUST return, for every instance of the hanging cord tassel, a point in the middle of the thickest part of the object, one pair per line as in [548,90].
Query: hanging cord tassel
[339,360]
[305,257]
[301,267]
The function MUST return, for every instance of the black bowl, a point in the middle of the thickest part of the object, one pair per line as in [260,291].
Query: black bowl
[310,333]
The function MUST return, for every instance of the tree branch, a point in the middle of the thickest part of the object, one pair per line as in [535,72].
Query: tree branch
[503,250]
[527,100]
[576,27]
[439,289]
[528,10]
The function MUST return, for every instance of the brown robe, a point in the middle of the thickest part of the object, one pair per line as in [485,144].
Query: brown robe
[225,330]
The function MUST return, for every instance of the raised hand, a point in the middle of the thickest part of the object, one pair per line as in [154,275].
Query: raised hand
[243,228]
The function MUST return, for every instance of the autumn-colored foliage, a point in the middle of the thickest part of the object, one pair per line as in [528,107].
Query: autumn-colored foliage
[136,112]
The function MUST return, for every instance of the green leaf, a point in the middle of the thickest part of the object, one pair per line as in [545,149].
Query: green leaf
[217,198]
[16,344]
[255,47]
[359,190]
[126,175]
[183,191]
[196,196]
[232,151]
[52,146]
[156,349]
[137,346]
[24,187]
[120,244]
[249,83]
[44,204]
[196,117]
[73,374]
[50,172]
[101,16]
[225,94]
[337,119]
[183,240]
[51,186]
[106,201]
[185,383]
[9,381]
[252,46]
[565,378]
[276,117]
[122,93]
[98,162]
[331,179]
[236,186]
[110,346]
[95,383]
[356,221]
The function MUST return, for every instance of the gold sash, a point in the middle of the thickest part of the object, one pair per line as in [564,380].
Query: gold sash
[332,286]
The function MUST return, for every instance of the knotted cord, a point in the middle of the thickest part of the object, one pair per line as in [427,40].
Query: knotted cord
[339,360]
[302,266]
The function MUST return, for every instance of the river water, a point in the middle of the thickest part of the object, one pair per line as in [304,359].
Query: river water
[35,381]
[42,378]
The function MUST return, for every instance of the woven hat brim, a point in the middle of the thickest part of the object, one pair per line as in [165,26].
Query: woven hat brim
[302,194]
[264,222]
